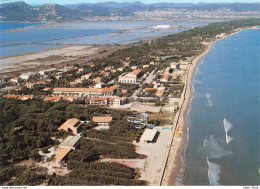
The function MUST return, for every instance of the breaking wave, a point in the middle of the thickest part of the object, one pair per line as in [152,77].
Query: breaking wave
[210,103]
[213,173]
[227,127]
[213,149]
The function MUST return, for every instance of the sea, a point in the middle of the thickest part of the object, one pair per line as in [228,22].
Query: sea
[223,119]
[20,38]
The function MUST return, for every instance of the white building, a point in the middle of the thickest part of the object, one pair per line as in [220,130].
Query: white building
[127,79]
[27,75]
[46,72]
[175,65]
[99,85]
[16,79]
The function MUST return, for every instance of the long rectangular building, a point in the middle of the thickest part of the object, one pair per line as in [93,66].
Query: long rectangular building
[80,92]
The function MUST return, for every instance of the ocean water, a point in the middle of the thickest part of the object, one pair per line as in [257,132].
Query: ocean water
[16,25]
[223,122]
[49,36]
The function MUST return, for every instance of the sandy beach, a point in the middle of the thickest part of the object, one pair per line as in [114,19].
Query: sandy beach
[177,152]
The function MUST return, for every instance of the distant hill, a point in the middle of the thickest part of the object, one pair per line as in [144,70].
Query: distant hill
[20,11]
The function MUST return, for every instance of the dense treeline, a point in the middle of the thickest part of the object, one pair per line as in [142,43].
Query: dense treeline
[26,126]
[97,174]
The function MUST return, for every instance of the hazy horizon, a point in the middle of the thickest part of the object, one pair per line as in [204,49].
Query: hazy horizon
[62,2]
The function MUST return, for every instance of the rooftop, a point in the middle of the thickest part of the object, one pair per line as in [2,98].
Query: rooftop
[61,154]
[148,134]
[102,119]
[70,141]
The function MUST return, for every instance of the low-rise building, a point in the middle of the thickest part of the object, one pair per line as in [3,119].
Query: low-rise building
[99,85]
[87,76]
[134,67]
[25,97]
[70,98]
[46,72]
[97,80]
[127,79]
[41,83]
[102,122]
[175,65]
[16,79]
[106,74]
[84,91]
[71,125]
[165,78]
[107,101]
[30,85]
[135,73]
[71,142]
[148,136]
[61,158]
[11,96]
[108,68]
[52,98]
[28,75]
[160,93]
[79,80]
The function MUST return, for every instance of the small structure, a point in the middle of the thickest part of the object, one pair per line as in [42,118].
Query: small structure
[99,85]
[16,79]
[97,80]
[148,136]
[26,76]
[87,76]
[30,85]
[11,96]
[73,125]
[175,65]
[165,78]
[71,142]
[102,122]
[52,98]
[160,93]
[25,97]
[60,160]
[70,98]
[46,72]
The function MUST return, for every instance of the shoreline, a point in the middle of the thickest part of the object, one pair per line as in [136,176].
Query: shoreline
[174,164]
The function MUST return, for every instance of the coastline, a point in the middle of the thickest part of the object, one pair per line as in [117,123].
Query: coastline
[174,163]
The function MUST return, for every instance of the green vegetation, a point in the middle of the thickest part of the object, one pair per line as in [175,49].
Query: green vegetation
[26,126]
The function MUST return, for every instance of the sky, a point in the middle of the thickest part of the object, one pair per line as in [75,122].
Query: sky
[61,2]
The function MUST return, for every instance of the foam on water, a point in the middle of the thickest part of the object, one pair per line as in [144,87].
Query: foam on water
[213,173]
[210,103]
[213,148]
[227,127]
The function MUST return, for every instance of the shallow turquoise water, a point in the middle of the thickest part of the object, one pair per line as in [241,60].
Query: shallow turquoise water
[223,122]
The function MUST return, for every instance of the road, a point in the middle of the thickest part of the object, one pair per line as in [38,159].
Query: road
[148,80]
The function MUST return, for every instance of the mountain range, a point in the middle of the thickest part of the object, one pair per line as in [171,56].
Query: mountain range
[20,11]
